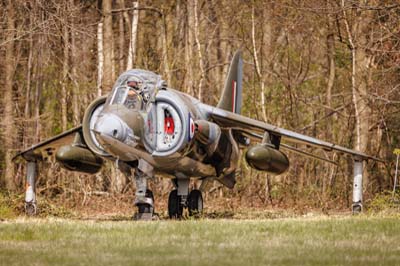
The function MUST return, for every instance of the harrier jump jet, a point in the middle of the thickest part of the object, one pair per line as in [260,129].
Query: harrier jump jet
[145,127]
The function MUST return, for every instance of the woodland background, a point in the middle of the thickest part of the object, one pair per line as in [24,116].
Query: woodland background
[326,68]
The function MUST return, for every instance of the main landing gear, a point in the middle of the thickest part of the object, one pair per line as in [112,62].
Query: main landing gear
[180,198]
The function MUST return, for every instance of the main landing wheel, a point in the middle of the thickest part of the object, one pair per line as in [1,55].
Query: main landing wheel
[175,208]
[195,203]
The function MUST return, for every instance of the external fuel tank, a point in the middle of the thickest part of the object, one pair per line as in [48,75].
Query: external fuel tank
[265,158]
[76,158]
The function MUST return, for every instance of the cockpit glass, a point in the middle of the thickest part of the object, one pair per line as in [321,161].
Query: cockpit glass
[129,97]
[120,95]
[135,89]
[134,100]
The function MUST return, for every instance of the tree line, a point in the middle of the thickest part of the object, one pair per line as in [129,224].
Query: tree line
[325,68]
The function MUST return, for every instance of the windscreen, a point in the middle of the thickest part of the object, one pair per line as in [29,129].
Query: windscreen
[119,95]
[129,97]
[135,89]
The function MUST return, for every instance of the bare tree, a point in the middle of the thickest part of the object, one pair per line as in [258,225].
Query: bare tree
[133,36]
[361,62]
[74,65]
[100,58]
[26,124]
[257,64]
[64,83]
[8,116]
[107,46]
[196,30]
[121,39]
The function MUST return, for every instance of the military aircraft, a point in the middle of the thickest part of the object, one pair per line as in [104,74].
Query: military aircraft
[145,127]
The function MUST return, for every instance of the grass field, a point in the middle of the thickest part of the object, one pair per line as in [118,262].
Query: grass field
[318,240]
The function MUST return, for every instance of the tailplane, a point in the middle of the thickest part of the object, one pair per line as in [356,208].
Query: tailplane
[231,97]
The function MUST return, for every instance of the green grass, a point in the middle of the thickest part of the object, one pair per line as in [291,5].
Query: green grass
[349,240]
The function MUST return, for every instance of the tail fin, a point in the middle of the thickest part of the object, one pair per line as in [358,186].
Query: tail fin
[231,97]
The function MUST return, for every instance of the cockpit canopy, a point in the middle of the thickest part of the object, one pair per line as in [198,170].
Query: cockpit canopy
[135,88]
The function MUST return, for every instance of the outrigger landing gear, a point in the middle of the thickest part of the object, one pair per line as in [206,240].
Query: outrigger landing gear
[357,186]
[180,198]
[30,192]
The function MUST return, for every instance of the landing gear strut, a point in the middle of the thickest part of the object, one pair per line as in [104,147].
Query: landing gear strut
[30,192]
[144,198]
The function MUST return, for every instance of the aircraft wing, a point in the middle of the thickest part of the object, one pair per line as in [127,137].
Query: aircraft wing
[256,129]
[47,148]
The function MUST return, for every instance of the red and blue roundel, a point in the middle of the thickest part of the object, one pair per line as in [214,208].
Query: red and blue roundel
[191,128]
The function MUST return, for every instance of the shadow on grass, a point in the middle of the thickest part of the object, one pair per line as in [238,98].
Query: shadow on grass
[213,215]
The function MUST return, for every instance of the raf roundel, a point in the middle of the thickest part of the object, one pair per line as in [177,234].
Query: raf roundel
[191,128]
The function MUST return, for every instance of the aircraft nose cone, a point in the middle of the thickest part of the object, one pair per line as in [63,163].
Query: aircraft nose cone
[111,125]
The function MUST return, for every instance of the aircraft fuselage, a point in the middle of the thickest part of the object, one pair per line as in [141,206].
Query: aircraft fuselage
[168,129]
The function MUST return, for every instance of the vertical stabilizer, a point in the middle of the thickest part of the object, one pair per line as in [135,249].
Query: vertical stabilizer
[231,97]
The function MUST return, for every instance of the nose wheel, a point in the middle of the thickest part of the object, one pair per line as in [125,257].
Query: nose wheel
[145,207]
[176,204]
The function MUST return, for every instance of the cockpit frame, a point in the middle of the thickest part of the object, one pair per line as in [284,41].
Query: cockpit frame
[146,85]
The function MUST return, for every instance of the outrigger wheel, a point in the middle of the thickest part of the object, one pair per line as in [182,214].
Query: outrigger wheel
[30,208]
[194,204]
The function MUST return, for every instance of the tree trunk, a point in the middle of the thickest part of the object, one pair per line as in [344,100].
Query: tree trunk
[27,125]
[189,82]
[328,181]
[100,58]
[218,54]
[74,76]
[359,76]
[65,75]
[165,50]
[133,37]
[8,117]
[121,37]
[107,46]
[199,52]
[257,65]
[330,53]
